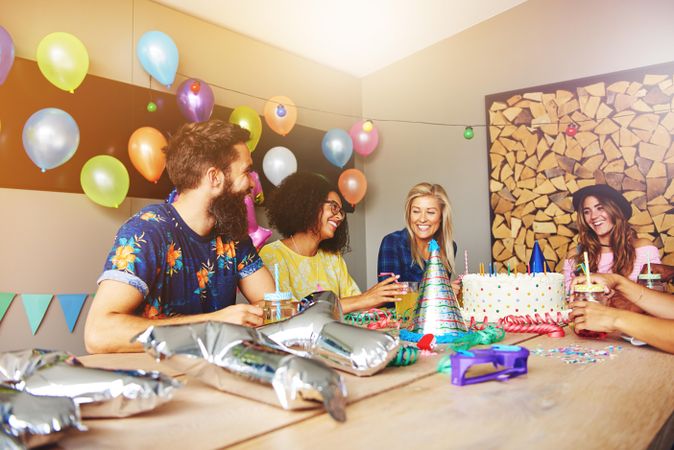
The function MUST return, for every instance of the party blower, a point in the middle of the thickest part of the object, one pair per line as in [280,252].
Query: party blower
[512,359]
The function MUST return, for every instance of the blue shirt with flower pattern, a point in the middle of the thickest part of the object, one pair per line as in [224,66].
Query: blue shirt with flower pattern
[176,270]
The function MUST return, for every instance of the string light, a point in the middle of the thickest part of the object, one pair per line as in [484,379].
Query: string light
[578,123]
[151,107]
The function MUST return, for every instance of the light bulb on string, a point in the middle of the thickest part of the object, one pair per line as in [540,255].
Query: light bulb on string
[468,133]
[367,126]
[195,87]
[151,107]
[281,111]
[571,130]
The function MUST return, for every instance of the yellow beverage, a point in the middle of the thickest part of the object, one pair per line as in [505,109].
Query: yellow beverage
[408,302]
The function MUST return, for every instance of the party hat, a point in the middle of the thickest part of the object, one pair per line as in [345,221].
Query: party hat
[437,312]
[537,262]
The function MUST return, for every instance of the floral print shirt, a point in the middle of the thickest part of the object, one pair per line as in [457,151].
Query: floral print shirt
[176,270]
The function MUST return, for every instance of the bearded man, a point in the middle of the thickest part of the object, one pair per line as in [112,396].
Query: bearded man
[182,262]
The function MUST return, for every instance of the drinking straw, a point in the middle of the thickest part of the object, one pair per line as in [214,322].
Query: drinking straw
[276,277]
[649,265]
[587,269]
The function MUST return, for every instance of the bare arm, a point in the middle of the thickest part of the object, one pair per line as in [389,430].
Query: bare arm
[111,322]
[256,285]
[382,292]
[652,330]
[660,304]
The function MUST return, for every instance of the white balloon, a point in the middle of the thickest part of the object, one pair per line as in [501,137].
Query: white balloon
[278,163]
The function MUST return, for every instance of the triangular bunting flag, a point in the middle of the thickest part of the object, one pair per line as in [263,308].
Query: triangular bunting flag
[36,306]
[5,300]
[71,304]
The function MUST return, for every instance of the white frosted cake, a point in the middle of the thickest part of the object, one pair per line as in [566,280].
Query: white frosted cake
[501,295]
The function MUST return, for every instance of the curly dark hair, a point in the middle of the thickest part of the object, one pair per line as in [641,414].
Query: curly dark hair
[297,205]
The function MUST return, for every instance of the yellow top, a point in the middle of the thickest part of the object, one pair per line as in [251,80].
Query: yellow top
[303,275]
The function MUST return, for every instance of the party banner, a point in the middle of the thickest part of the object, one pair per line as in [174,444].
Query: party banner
[71,304]
[5,300]
[36,306]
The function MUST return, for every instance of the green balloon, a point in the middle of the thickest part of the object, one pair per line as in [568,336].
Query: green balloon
[246,117]
[105,180]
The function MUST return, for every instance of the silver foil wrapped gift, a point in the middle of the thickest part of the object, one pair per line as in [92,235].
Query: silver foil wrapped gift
[99,392]
[204,349]
[32,421]
[318,332]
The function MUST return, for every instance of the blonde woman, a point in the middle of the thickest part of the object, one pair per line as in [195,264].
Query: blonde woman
[428,215]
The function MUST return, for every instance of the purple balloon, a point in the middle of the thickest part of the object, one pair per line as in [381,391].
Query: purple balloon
[364,142]
[6,54]
[195,100]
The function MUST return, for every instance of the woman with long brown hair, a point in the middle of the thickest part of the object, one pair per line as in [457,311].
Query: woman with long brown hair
[606,235]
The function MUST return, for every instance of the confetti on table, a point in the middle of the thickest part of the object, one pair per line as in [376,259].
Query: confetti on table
[577,354]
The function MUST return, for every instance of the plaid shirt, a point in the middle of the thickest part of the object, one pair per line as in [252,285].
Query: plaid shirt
[395,256]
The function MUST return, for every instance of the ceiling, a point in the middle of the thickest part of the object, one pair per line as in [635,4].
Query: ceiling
[358,37]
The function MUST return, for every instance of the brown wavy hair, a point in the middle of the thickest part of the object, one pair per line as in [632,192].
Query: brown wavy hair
[197,146]
[297,206]
[621,241]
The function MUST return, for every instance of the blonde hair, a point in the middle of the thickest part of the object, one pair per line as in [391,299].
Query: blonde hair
[444,234]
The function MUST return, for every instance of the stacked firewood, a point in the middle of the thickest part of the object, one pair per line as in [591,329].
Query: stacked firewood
[544,146]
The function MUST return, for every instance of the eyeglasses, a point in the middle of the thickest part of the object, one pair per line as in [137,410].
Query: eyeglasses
[335,208]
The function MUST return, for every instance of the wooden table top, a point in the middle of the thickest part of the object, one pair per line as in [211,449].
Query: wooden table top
[619,403]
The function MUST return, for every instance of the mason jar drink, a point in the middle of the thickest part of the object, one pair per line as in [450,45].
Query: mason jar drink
[278,306]
[593,293]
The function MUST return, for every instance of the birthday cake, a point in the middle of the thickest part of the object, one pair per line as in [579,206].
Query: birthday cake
[497,296]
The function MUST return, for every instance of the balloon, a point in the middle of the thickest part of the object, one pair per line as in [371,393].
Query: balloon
[256,192]
[249,119]
[146,152]
[105,180]
[6,54]
[158,55]
[337,146]
[259,235]
[318,331]
[365,137]
[195,100]
[63,60]
[353,185]
[278,163]
[50,137]
[280,114]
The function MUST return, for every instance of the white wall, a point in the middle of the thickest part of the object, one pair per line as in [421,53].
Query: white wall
[537,42]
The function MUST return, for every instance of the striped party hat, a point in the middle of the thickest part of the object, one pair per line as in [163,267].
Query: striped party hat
[437,311]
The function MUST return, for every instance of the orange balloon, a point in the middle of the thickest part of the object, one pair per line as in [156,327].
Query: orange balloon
[280,113]
[146,152]
[353,185]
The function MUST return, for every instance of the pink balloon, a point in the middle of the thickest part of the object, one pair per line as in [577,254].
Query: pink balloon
[256,192]
[259,235]
[365,137]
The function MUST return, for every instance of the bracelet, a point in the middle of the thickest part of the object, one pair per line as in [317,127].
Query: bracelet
[641,295]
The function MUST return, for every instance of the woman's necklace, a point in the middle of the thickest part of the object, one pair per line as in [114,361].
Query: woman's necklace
[297,250]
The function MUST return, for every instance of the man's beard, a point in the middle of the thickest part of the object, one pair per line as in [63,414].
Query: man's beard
[229,211]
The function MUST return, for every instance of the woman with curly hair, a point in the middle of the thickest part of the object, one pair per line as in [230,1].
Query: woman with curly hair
[307,211]
[607,237]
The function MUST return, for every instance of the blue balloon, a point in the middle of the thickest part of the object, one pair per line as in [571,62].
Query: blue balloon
[159,56]
[50,137]
[337,147]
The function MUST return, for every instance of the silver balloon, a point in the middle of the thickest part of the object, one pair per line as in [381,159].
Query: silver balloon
[50,137]
[35,421]
[99,392]
[204,349]
[318,332]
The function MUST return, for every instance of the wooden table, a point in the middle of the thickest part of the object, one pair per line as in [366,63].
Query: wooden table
[624,402]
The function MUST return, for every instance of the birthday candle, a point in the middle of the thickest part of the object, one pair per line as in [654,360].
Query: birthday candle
[465,257]
[490,270]
[508,269]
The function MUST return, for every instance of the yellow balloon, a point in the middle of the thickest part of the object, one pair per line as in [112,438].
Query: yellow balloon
[63,60]
[105,180]
[246,117]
